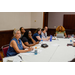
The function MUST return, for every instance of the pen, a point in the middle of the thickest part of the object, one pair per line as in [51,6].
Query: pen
[20,57]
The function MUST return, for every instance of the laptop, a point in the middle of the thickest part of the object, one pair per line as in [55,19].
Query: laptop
[60,35]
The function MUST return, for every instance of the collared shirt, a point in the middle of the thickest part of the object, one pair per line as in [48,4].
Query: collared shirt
[44,35]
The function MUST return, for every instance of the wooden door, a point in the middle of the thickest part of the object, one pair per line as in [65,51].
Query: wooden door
[69,21]
[45,19]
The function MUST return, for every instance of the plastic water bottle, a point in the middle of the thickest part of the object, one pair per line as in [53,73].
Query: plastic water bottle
[50,38]
[41,41]
[72,37]
[35,52]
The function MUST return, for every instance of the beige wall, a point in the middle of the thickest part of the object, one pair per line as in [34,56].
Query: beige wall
[56,18]
[36,19]
[11,20]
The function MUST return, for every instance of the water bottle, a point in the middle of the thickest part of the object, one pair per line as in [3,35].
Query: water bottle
[70,40]
[35,52]
[50,38]
[72,37]
[41,41]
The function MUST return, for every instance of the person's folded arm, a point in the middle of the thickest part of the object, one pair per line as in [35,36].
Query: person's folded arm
[55,34]
[24,46]
[14,45]
[65,34]
[33,40]
[38,37]
[29,45]
[44,39]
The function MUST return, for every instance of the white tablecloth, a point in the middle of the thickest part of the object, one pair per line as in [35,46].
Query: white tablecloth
[57,51]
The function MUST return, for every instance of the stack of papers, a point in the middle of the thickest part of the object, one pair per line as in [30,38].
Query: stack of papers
[13,59]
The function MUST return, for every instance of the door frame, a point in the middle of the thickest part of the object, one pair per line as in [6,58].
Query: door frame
[45,19]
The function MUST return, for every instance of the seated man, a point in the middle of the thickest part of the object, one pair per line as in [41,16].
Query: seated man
[43,34]
[46,29]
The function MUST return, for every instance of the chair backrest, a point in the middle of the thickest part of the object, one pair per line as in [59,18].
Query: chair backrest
[4,49]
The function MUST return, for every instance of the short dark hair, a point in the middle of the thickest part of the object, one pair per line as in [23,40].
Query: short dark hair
[43,29]
[45,26]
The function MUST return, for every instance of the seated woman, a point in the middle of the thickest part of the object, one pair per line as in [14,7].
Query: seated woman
[28,40]
[43,34]
[22,31]
[16,46]
[37,36]
[60,30]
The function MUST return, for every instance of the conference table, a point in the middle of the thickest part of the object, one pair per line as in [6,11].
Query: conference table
[57,51]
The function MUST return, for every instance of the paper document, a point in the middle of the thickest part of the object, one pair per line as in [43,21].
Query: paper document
[31,52]
[13,59]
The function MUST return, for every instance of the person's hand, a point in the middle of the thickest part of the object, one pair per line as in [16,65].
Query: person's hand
[48,38]
[26,47]
[30,36]
[37,42]
[65,36]
[30,49]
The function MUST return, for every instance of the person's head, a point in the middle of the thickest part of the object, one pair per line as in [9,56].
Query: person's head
[38,31]
[43,30]
[27,34]
[17,33]
[46,28]
[22,30]
[60,28]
